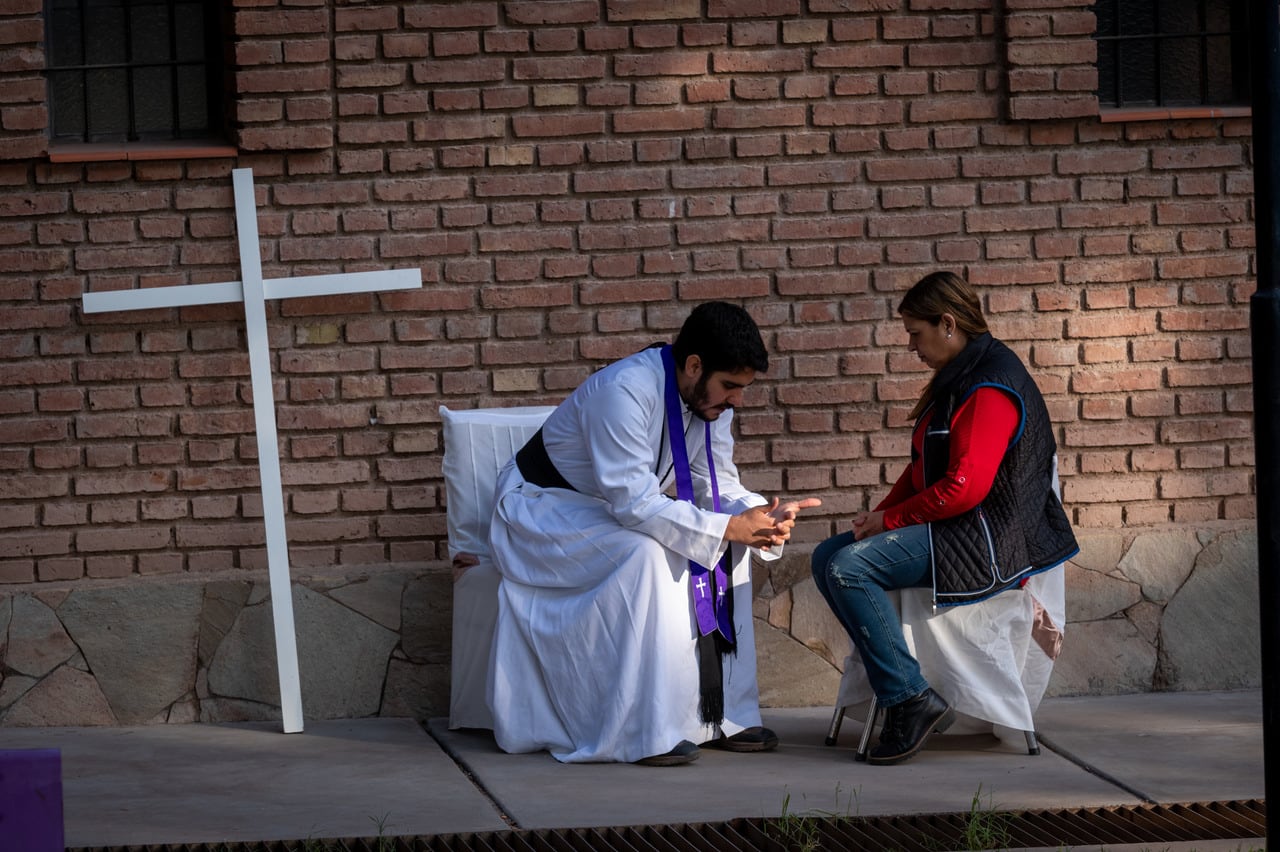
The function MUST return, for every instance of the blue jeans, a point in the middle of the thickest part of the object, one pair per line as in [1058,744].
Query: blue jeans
[854,577]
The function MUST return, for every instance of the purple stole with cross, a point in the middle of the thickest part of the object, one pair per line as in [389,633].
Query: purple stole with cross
[710,589]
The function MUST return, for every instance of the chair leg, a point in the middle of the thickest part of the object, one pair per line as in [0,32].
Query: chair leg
[1033,747]
[834,731]
[873,713]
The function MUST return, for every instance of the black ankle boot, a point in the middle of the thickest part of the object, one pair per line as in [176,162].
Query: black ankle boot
[914,720]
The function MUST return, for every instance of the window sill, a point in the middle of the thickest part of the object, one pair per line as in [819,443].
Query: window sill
[186,149]
[1171,113]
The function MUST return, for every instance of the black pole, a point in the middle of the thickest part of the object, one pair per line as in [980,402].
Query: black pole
[1264,314]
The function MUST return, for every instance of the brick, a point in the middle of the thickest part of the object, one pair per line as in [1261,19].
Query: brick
[1187,485]
[618,11]
[135,538]
[1208,319]
[1199,213]
[859,56]
[1105,489]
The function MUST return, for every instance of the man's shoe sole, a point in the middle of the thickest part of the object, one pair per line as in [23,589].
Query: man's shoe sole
[669,759]
[748,746]
[943,722]
[768,742]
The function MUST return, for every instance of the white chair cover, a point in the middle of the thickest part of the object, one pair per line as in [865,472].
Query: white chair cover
[990,660]
[985,658]
[477,443]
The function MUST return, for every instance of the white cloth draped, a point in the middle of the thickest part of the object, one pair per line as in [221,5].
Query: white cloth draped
[593,654]
[989,660]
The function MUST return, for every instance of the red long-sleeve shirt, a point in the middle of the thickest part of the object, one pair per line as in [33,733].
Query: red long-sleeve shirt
[980,433]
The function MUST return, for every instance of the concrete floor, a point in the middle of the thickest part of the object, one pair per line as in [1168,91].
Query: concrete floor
[358,778]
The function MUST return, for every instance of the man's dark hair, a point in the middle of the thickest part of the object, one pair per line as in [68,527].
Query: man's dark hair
[724,336]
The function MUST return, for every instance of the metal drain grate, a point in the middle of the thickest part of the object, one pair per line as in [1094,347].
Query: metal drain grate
[1111,826]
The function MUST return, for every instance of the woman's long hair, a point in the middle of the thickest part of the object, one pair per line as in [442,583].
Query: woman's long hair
[932,296]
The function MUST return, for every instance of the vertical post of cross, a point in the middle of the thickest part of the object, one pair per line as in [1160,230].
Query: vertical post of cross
[264,414]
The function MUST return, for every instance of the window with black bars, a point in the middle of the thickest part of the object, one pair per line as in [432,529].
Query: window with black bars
[134,70]
[1172,53]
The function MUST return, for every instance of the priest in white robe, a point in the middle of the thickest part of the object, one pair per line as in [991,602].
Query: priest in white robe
[596,653]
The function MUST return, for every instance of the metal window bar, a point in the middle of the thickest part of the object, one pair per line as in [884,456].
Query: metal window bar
[209,64]
[1112,47]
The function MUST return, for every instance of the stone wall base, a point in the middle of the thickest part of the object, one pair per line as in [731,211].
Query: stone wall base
[203,649]
[1149,609]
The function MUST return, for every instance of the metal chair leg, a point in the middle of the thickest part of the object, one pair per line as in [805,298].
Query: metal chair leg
[872,714]
[1033,747]
[834,731]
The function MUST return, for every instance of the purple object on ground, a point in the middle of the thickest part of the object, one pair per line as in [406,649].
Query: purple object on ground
[31,801]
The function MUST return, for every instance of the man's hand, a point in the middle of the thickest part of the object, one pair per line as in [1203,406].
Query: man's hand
[765,526]
[462,562]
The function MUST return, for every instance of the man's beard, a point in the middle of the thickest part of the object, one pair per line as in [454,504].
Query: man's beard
[699,401]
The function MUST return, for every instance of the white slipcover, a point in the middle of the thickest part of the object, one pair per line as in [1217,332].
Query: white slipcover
[477,443]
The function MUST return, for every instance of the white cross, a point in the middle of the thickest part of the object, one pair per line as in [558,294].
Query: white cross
[702,587]
[253,291]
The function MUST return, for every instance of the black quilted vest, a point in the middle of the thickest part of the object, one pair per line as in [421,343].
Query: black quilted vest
[1020,527]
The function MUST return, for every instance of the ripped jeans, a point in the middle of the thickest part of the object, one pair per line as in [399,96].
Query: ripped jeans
[854,577]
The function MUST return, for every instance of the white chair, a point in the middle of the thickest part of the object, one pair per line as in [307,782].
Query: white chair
[477,443]
[990,660]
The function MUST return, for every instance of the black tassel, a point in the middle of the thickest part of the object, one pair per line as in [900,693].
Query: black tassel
[710,681]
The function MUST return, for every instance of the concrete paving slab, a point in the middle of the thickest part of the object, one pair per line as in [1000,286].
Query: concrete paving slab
[1166,746]
[802,776]
[203,783]
[206,783]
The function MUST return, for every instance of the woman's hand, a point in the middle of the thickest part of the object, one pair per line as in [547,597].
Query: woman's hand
[867,524]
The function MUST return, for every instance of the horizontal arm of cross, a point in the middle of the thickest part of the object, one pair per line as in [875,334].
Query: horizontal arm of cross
[233,291]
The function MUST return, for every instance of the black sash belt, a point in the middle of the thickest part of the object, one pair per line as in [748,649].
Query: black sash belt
[536,467]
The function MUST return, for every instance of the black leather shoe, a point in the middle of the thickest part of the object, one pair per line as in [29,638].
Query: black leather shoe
[748,739]
[914,720]
[684,752]
[889,730]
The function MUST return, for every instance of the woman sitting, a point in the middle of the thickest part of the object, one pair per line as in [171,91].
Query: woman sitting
[974,512]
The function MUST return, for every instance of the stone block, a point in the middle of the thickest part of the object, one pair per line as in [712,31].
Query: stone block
[223,601]
[378,596]
[13,687]
[791,568]
[6,615]
[342,658]
[37,641]
[67,696]
[789,674]
[1160,561]
[1210,636]
[139,641]
[1092,595]
[815,626]
[427,625]
[1106,657]
[1099,551]
[418,691]
[778,611]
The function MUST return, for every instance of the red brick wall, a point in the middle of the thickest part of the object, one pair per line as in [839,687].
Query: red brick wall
[570,177]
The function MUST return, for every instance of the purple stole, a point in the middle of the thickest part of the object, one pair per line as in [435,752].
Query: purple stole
[708,597]
[710,589]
